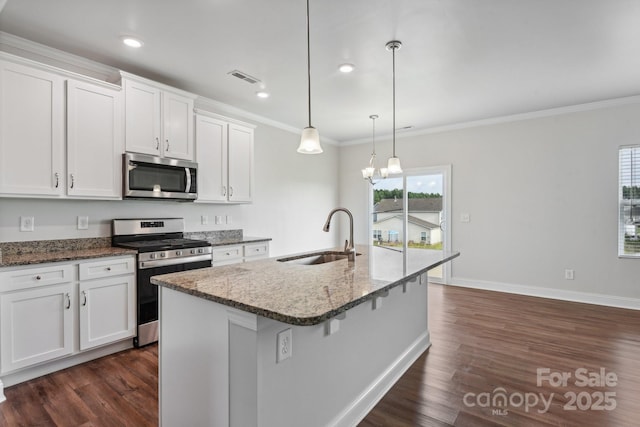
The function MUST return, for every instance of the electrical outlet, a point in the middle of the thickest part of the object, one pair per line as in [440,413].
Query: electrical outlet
[284,342]
[204,219]
[229,219]
[218,219]
[83,223]
[568,274]
[27,223]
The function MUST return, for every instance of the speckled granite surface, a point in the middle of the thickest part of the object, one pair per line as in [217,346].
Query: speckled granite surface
[43,251]
[224,237]
[293,293]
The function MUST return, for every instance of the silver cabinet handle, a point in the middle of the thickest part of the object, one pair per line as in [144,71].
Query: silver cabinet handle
[167,145]
[108,268]
[57,175]
[224,190]
[38,277]
[230,191]
[157,143]
[84,298]
[73,181]
[68,299]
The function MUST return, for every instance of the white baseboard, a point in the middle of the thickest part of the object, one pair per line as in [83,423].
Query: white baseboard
[364,403]
[558,294]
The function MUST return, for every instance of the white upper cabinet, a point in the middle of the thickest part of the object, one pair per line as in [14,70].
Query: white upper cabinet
[224,151]
[158,119]
[211,150]
[94,140]
[31,131]
[240,163]
[33,141]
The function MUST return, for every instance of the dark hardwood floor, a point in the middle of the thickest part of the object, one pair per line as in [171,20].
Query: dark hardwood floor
[485,345]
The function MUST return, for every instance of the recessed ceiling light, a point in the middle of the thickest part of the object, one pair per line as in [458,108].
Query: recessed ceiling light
[131,42]
[262,94]
[346,68]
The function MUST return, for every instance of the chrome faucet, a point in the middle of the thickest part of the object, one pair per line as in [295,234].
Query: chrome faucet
[349,247]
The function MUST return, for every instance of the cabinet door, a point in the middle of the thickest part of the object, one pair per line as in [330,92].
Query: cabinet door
[211,155]
[142,118]
[240,163]
[107,310]
[177,126]
[31,131]
[94,141]
[36,325]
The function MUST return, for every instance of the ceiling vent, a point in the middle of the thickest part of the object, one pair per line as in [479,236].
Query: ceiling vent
[243,76]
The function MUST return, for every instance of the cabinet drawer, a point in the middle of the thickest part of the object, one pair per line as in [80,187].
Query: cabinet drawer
[256,249]
[107,268]
[227,253]
[30,277]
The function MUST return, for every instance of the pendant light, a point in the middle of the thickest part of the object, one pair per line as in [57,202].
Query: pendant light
[393,166]
[371,173]
[310,138]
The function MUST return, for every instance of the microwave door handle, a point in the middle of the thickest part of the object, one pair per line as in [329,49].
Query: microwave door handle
[188,187]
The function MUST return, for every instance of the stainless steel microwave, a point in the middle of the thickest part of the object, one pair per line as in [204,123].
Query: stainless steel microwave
[151,177]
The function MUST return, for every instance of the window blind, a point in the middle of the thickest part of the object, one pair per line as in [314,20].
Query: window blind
[629,201]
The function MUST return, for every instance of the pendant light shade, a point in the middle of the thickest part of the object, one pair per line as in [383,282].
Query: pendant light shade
[310,138]
[393,165]
[310,141]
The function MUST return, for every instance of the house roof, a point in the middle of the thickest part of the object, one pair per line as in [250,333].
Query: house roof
[431,204]
[412,220]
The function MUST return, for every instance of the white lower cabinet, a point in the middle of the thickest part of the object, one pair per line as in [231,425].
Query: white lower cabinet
[37,325]
[232,254]
[58,310]
[107,310]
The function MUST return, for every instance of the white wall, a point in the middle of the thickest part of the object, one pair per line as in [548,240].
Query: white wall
[293,194]
[542,198]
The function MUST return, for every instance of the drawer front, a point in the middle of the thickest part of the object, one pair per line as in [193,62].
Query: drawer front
[227,253]
[256,249]
[31,277]
[107,268]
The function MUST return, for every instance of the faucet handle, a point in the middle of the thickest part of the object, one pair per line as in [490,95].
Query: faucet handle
[346,245]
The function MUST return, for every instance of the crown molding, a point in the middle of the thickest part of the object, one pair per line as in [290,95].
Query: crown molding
[54,57]
[590,106]
[213,106]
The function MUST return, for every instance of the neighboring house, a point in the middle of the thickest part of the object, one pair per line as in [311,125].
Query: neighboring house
[425,216]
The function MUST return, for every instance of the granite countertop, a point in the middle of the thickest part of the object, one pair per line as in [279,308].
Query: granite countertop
[43,251]
[225,237]
[300,294]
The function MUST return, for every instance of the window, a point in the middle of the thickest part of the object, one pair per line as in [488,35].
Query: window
[377,236]
[629,202]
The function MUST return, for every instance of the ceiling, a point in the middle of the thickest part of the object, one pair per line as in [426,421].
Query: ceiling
[461,60]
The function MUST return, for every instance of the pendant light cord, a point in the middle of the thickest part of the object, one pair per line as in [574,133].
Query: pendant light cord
[309,63]
[393,52]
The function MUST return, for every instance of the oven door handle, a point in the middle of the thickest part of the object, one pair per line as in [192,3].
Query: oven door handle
[188,187]
[173,261]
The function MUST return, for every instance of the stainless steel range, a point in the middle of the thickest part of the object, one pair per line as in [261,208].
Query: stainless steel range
[162,249]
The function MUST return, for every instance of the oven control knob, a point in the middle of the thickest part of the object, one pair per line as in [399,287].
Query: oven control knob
[152,256]
[162,255]
[178,253]
[193,251]
[200,251]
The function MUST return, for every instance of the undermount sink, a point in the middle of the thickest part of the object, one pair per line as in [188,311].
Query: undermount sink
[317,258]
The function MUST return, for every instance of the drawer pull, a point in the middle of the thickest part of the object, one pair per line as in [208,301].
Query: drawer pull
[38,277]
[68,298]
[84,298]
[108,268]
[228,253]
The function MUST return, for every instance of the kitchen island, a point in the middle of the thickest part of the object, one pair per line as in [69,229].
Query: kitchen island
[288,343]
